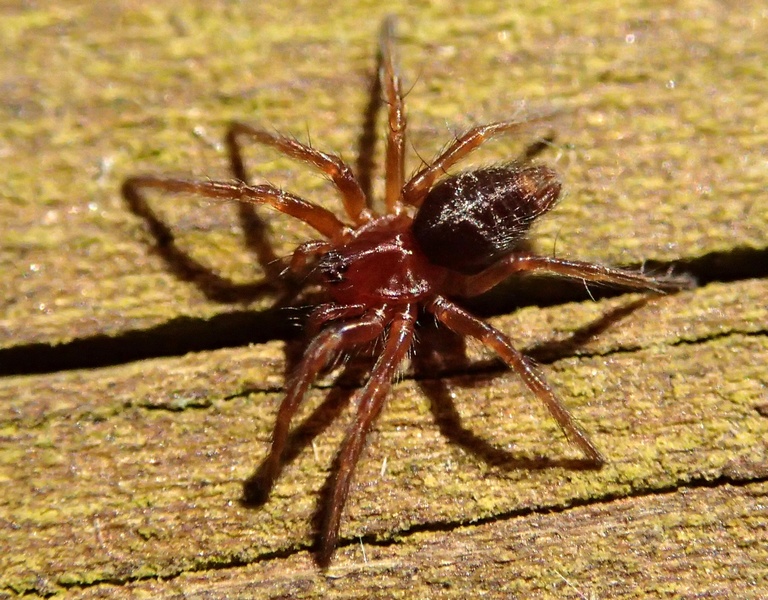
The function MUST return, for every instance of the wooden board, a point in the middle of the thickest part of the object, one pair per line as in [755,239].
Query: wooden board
[125,480]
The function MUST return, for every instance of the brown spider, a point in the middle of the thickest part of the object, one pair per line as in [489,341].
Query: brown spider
[377,271]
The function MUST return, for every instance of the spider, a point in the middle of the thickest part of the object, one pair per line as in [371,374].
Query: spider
[440,237]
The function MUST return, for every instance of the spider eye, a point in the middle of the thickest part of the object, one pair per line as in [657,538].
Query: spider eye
[333,266]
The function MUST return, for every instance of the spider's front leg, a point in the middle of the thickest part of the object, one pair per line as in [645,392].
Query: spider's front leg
[355,203]
[185,266]
[317,217]
[464,323]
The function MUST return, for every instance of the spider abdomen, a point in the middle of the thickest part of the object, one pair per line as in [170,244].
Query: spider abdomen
[470,220]
[381,264]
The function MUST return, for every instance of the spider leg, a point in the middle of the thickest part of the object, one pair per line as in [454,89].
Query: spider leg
[337,170]
[324,221]
[323,348]
[325,313]
[464,323]
[472,285]
[371,400]
[419,185]
[390,82]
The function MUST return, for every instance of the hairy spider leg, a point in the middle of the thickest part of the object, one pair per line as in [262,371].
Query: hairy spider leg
[337,170]
[463,323]
[371,399]
[328,343]
[395,154]
[419,185]
[325,313]
[317,217]
[473,285]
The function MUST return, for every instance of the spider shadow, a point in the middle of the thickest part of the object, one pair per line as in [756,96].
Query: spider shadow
[256,489]
[185,267]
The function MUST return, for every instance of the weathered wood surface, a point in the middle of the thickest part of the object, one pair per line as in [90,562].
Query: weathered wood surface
[125,480]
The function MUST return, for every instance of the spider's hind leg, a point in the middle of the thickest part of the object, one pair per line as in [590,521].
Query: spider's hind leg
[419,185]
[521,262]
[328,344]
[370,402]
[464,323]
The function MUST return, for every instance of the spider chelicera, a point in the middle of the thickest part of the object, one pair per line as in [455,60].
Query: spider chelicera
[441,237]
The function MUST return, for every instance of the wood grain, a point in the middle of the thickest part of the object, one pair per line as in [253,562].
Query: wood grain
[125,481]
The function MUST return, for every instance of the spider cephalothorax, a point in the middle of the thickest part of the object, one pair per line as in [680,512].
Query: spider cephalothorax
[378,271]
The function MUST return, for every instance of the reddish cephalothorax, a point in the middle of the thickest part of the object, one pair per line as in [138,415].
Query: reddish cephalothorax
[377,271]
